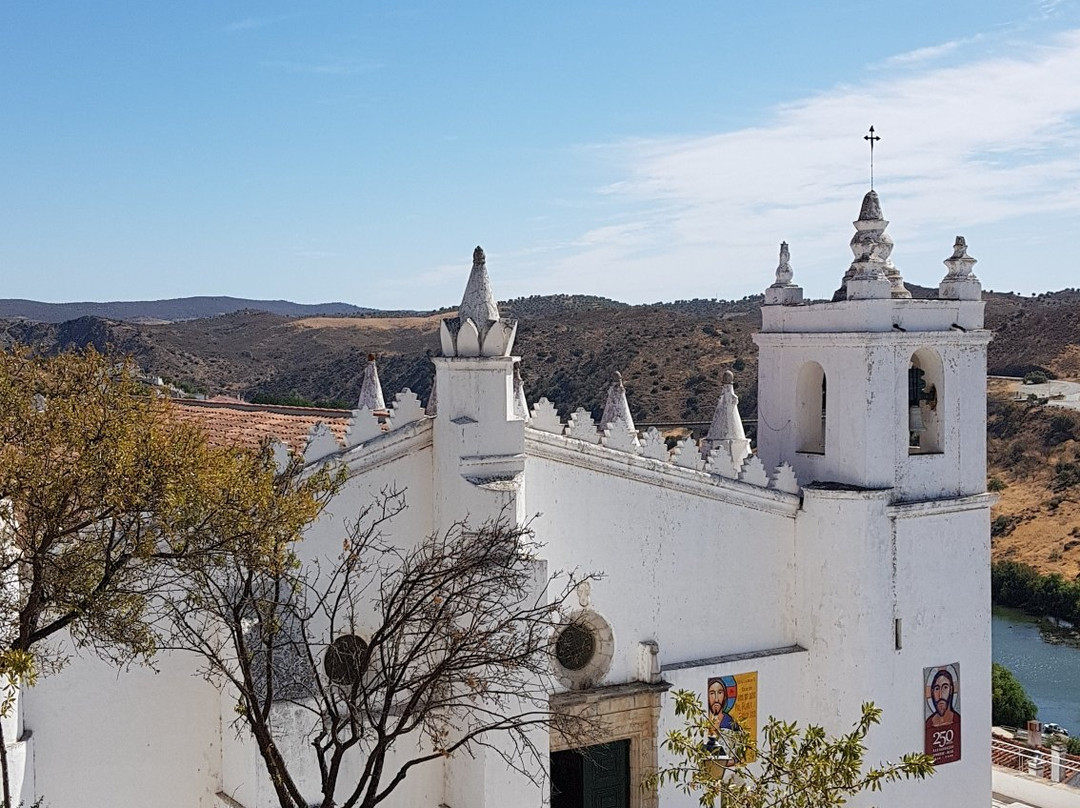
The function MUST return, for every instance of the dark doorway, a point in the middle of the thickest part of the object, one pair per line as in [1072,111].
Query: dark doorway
[593,777]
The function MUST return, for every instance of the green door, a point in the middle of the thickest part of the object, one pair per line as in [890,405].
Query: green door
[593,777]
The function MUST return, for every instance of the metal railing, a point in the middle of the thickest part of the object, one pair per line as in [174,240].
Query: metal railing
[1049,763]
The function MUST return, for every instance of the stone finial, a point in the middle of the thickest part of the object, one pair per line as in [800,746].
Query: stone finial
[478,330]
[371,395]
[432,407]
[783,270]
[872,274]
[616,407]
[478,302]
[521,404]
[784,292]
[726,430]
[960,282]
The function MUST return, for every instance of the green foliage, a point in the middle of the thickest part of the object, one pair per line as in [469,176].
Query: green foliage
[1060,427]
[1011,705]
[996,484]
[1066,475]
[1035,377]
[1020,586]
[1072,746]
[794,768]
[108,493]
[297,400]
[1003,525]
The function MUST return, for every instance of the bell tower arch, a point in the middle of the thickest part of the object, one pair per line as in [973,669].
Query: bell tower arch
[876,389]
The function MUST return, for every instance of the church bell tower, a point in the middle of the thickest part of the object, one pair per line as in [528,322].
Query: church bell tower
[876,389]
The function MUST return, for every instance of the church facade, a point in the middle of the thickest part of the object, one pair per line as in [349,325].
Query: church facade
[844,560]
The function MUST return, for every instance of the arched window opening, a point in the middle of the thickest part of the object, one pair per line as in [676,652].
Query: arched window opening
[810,409]
[924,386]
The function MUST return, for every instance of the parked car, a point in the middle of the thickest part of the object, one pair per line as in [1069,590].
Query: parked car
[1051,728]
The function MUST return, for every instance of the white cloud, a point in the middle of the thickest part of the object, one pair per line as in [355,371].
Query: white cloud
[926,54]
[251,23]
[990,142]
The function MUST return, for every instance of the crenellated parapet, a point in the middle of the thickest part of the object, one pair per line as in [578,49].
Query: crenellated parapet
[702,457]
[365,427]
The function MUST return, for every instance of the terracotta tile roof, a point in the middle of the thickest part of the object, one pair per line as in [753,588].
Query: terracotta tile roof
[235,423]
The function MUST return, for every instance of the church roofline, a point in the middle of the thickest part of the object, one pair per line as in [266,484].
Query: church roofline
[387,447]
[562,449]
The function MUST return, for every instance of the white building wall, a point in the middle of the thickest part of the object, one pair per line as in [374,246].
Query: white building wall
[130,739]
[682,569]
[781,679]
[862,566]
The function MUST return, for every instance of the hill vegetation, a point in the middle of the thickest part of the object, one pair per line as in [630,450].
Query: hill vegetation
[151,311]
[672,357]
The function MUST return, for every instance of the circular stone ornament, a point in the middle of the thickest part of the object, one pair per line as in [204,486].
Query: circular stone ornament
[575,646]
[582,649]
[345,660]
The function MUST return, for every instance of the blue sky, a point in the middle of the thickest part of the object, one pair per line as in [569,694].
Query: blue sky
[358,151]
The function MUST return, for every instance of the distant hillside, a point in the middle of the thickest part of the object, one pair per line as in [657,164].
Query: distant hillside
[176,309]
[671,355]
[1035,333]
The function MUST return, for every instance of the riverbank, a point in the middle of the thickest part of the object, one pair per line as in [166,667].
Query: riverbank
[1049,669]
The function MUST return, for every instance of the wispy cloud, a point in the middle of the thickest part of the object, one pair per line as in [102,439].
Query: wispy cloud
[325,68]
[930,53]
[991,141]
[251,23]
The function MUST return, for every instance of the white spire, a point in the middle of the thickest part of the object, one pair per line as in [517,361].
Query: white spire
[784,292]
[432,407]
[478,303]
[960,282]
[521,404]
[616,407]
[872,274]
[478,330]
[726,430]
[371,396]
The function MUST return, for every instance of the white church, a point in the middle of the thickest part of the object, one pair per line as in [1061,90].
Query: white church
[843,559]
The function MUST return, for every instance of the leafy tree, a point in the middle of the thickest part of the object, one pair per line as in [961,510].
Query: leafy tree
[793,768]
[106,497]
[1011,706]
[398,656]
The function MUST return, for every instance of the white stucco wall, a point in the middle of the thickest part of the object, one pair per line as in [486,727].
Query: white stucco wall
[131,738]
[679,567]
[781,680]
[864,564]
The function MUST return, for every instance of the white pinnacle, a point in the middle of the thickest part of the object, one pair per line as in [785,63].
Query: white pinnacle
[371,395]
[726,430]
[616,407]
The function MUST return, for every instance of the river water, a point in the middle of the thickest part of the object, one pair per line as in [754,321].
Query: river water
[1050,673]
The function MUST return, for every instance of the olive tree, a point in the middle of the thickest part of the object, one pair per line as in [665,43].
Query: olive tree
[398,655]
[106,497]
[792,768]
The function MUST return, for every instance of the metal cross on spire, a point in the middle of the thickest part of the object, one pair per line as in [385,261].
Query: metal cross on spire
[873,139]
